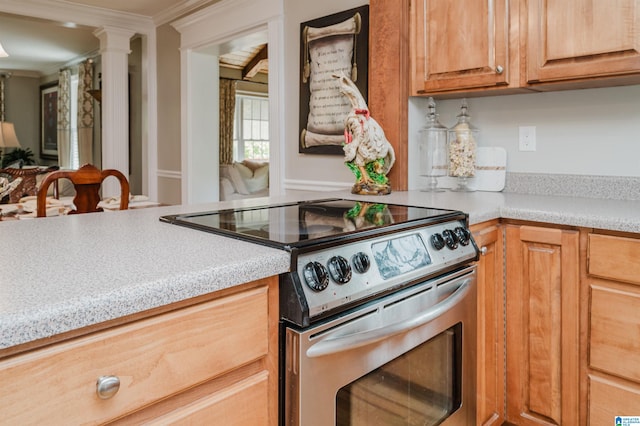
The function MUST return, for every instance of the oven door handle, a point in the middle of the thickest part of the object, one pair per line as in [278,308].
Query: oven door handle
[362,338]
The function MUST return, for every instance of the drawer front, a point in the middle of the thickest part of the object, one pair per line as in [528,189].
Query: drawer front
[153,358]
[611,398]
[614,258]
[615,332]
[244,403]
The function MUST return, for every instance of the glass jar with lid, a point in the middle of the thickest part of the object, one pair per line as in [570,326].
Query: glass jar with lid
[433,149]
[462,149]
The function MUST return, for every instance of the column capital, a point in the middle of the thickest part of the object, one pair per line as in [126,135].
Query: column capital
[114,39]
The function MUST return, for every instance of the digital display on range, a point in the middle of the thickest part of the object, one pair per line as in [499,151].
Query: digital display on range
[400,255]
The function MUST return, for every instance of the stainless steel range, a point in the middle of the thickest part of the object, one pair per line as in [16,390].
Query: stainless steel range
[377,312]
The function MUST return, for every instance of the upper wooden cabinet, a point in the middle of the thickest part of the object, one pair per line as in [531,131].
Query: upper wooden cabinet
[581,39]
[510,46]
[464,45]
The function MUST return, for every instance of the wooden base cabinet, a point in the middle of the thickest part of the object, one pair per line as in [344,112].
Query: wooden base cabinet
[214,362]
[542,325]
[613,319]
[490,404]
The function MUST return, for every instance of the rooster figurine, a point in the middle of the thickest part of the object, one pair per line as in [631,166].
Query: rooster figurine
[367,152]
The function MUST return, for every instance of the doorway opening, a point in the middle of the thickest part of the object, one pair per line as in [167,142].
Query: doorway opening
[244,120]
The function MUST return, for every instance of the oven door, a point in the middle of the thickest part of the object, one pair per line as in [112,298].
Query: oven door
[406,359]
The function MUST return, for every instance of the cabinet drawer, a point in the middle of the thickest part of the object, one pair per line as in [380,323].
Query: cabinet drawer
[615,332]
[240,404]
[153,358]
[614,258]
[610,398]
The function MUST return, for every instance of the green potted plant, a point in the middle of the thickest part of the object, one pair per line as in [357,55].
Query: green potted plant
[24,156]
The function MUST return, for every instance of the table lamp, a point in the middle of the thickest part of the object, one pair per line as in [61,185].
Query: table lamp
[8,138]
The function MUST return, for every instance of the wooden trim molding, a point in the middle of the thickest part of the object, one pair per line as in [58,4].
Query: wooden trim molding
[389,79]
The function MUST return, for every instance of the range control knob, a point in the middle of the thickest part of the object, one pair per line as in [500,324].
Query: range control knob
[316,276]
[462,234]
[437,241]
[450,239]
[339,269]
[361,262]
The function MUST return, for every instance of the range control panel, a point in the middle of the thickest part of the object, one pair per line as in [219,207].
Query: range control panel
[345,273]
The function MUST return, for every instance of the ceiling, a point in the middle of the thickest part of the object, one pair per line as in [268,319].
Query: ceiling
[41,47]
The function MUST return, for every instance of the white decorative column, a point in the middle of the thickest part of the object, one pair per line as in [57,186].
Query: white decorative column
[114,50]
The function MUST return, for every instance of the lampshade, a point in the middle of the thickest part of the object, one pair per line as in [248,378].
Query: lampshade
[8,138]
[3,53]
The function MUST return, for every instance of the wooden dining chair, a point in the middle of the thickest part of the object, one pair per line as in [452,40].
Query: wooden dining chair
[87,181]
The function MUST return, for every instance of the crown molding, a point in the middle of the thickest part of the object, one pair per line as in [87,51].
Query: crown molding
[193,26]
[21,73]
[64,11]
[179,9]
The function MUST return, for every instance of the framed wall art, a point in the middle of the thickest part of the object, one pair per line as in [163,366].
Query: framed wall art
[329,46]
[49,121]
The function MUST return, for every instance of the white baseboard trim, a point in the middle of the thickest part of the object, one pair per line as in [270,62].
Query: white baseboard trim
[313,185]
[169,174]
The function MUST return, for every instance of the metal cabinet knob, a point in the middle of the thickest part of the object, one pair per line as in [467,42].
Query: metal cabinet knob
[483,250]
[499,69]
[107,386]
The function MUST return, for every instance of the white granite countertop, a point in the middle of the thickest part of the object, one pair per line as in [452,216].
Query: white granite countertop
[64,273]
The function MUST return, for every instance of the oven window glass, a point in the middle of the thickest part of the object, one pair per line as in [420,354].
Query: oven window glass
[421,387]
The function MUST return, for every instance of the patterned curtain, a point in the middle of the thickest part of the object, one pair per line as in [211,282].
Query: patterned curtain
[85,113]
[227,112]
[64,119]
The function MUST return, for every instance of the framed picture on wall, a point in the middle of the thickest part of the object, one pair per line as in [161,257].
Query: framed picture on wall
[331,45]
[49,120]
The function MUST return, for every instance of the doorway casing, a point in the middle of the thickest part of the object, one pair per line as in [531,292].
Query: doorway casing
[200,35]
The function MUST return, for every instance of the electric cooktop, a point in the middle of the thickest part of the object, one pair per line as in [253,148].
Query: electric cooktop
[306,223]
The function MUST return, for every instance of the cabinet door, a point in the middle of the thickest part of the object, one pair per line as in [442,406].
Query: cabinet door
[610,397]
[582,39]
[542,326]
[614,333]
[490,372]
[458,44]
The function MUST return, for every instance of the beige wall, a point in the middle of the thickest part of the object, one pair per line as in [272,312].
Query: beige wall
[170,190]
[168,41]
[315,169]
[22,108]
[135,116]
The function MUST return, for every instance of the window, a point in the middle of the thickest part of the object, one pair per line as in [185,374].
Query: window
[251,128]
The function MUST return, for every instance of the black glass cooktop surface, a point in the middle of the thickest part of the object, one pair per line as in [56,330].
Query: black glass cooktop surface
[309,222]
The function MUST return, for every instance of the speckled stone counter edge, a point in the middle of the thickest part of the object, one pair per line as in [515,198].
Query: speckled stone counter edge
[603,187]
